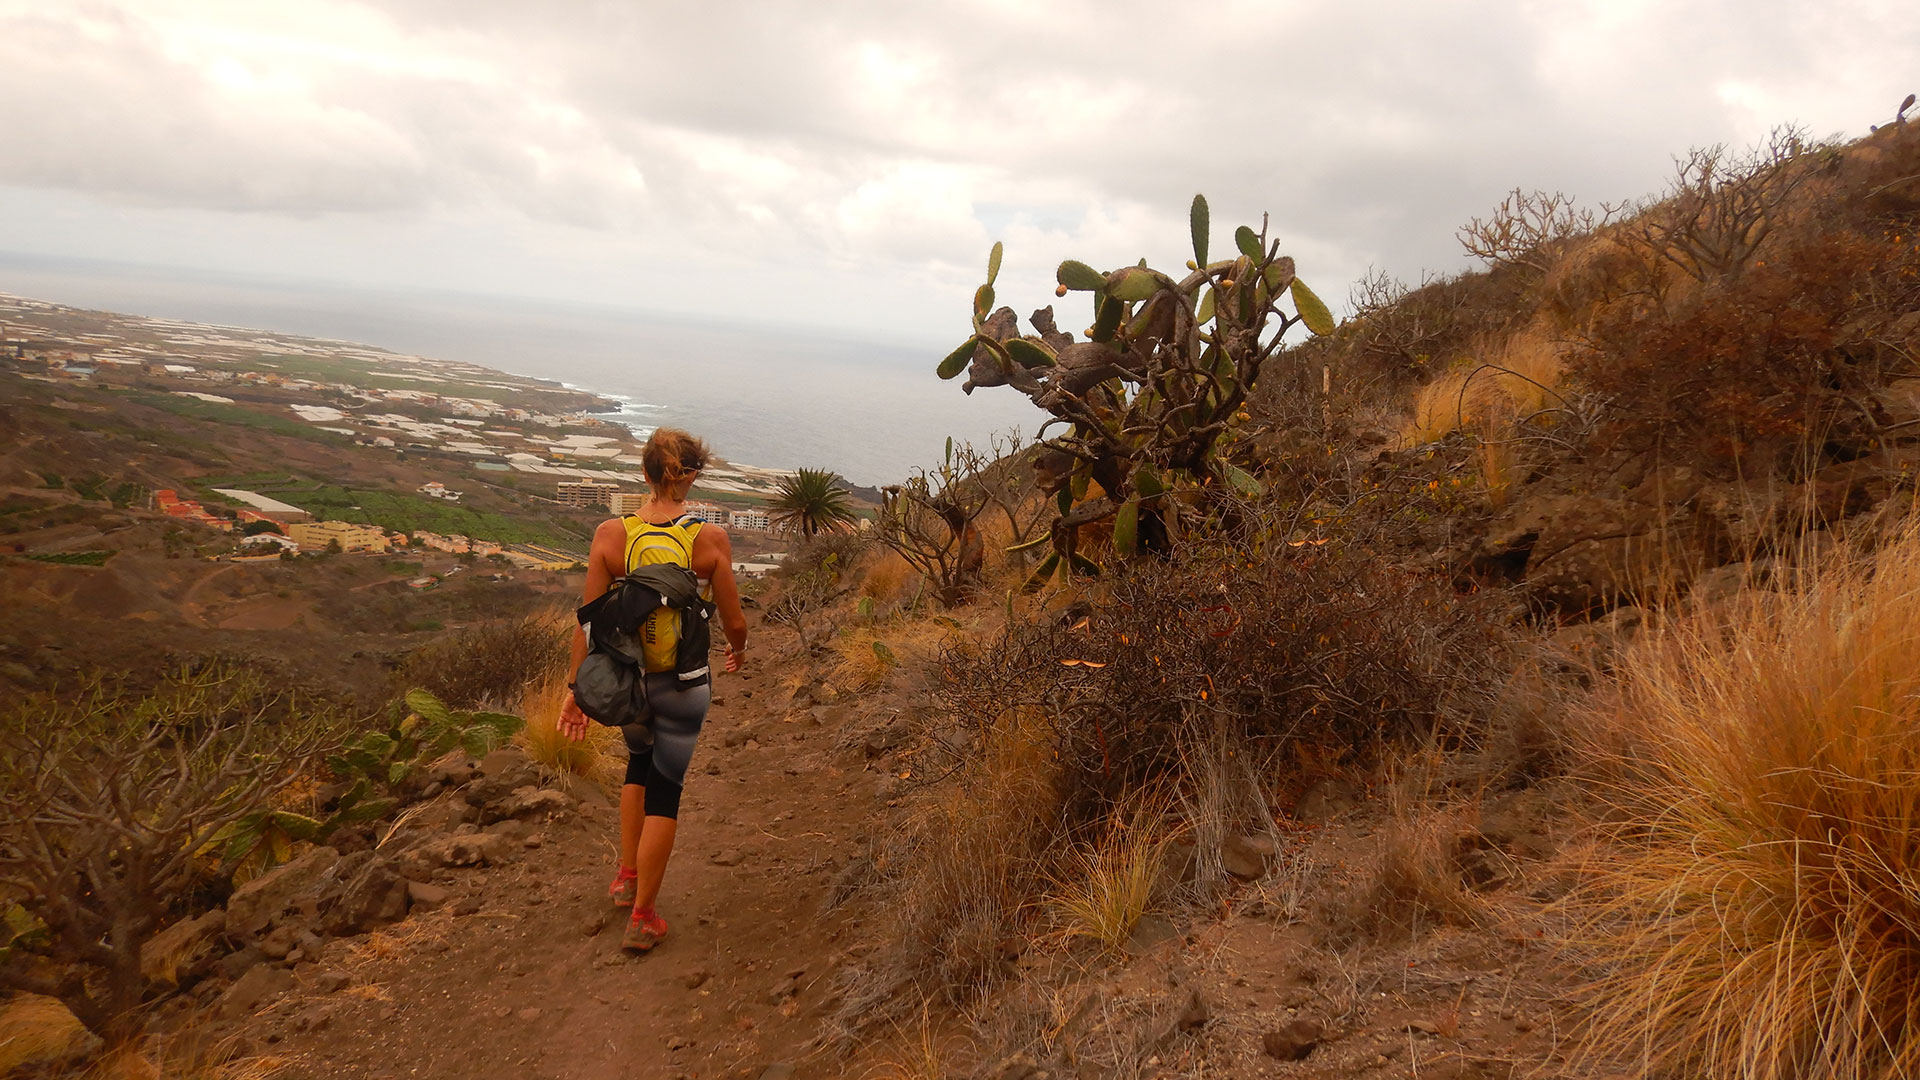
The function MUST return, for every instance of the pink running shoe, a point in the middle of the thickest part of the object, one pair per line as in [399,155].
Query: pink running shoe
[644,931]
[625,888]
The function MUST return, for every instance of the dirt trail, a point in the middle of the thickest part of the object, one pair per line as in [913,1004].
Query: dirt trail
[520,974]
[192,610]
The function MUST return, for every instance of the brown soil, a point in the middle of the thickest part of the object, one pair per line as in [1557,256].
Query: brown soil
[266,614]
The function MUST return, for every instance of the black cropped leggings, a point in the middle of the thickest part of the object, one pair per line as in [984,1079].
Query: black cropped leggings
[659,753]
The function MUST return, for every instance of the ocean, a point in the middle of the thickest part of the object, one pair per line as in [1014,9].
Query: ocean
[762,395]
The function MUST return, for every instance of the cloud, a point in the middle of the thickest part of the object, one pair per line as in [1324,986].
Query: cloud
[881,147]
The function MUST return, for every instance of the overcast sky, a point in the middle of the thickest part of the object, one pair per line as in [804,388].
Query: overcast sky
[848,164]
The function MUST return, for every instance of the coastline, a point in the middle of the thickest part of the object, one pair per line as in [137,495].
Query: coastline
[787,397]
[331,388]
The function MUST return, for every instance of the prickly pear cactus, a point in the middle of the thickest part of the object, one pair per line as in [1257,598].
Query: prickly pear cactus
[1164,371]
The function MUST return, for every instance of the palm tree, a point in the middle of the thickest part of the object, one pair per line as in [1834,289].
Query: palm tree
[811,500]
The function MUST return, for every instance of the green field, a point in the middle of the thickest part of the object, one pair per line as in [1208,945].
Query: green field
[74,558]
[400,512]
[214,412]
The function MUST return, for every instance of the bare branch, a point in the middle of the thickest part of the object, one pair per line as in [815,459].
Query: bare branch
[1529,229]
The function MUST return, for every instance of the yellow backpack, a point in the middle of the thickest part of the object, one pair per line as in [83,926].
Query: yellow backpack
[651,545]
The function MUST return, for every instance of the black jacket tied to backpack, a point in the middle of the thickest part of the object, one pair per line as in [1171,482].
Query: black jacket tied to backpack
[611,685]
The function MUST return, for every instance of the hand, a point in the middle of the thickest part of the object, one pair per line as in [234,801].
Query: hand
[735,657]
[573,722]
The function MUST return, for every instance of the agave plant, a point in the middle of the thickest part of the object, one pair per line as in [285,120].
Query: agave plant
[1165,370]
[811,501]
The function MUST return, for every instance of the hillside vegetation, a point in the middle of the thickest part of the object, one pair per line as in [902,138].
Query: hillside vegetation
[1652,468]
[1514,679]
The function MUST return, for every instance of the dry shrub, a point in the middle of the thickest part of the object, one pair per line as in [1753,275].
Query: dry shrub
[120,814]
[1399,334]
[1181,679]
[1753,912]
[1742,371]
[962,887]
[1413,883]
[807,590]
[599,757]
[964,910]
[489,663]
[845,549]
[1256,647]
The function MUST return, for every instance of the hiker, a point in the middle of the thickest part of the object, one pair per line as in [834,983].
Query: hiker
[659,751]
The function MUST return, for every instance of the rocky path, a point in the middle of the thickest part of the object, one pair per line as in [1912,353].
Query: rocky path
[512,967]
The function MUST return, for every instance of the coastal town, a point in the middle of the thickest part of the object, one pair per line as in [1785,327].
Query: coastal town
[397,452]
[271,529]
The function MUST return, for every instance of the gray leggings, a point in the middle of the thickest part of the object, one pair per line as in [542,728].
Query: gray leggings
[659,752]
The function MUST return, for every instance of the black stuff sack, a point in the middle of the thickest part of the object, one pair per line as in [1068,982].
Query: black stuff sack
[610,685]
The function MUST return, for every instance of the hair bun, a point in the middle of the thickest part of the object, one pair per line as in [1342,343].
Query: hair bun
[672,456]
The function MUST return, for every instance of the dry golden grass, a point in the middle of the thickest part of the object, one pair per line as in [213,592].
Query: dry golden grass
[886,578]
[599,757]
[1113,884]
[1442,407]
[253,1068]
[35,1028]
[396,943]
[902,642]
[186,1056]
[129,1063]
[1754,908]
[918,1053]
[1502,382]
[977,869]
[861,666]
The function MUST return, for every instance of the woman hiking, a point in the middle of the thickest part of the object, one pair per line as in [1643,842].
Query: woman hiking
[659,752]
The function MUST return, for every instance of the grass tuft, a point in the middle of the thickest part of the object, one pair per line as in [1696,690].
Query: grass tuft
[37,1029]
[1755,910]
[918,1054]
[599,757]
[886,578]
[1412,884]
[1496,387]
[1113,883]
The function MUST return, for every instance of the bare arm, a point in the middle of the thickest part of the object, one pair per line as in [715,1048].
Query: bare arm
[714,553]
